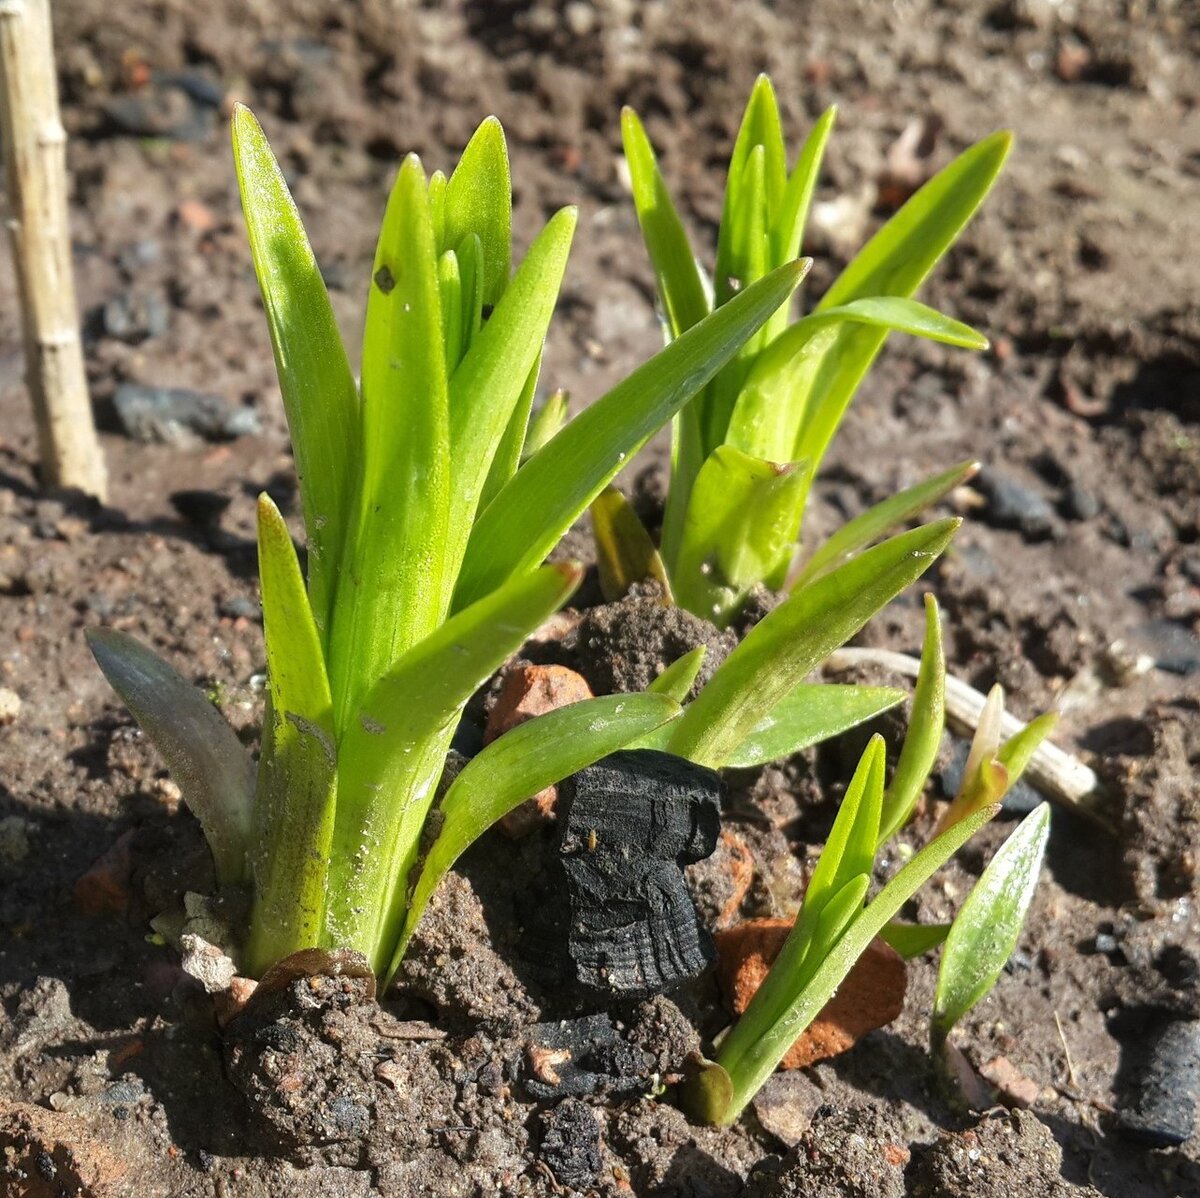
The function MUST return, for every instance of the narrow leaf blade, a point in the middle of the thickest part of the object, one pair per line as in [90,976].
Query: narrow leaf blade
[625,554]
[319,392]
[809,714]
[988,925]
[479,200]
[785,645]
[205,757]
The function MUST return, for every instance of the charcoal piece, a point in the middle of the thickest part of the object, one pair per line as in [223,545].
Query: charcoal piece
[1167,1093]
[618,919]
[587,1056]
[571,1144]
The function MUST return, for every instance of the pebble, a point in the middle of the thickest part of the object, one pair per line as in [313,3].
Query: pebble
[10,705]
[134,316]
[1012,504]
[1080,504]
[171,415]
[1174,647]
[238,607]
[159,112]
[14,839]
[1162,1113]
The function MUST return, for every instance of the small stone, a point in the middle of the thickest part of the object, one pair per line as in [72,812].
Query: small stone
[1013,504]
[570,1144]
[230,1003]
[105,888]
[786,1104]
[1162,1113]
[871,996]
[158,112]
[171,415]
[239,607]
[134,317]
[1080,504]
[1016,1090]
[195,215]
[1173,647]
[10,706]
[528,691]
[211,967]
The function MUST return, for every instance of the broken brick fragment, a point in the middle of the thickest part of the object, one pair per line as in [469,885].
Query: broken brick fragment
[871,996]
[528,691]
[105,888]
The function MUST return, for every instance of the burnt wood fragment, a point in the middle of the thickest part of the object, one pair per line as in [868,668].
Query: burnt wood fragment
[617,919]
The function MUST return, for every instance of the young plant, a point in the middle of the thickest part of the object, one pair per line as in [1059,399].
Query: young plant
[746,449]
[426,536]
[836,924]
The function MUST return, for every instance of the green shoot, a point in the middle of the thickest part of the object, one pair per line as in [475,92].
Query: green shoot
[746,449]
[430,502]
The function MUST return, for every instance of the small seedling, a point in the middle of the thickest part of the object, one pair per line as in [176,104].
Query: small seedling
[746,449]
[836,924]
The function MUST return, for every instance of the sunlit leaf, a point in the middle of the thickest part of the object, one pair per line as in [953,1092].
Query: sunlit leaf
[625,554]
[779,651]
[988,924]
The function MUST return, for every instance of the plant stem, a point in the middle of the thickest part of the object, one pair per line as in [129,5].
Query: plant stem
[36,169]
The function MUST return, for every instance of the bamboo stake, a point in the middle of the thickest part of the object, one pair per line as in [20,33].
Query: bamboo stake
[36,169]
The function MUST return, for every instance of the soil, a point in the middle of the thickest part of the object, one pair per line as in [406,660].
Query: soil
[1075,582]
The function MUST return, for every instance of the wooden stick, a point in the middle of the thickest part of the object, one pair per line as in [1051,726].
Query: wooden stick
[36,169]
[1055,772]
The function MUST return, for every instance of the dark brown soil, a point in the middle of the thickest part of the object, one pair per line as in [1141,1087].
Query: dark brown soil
[1075,582]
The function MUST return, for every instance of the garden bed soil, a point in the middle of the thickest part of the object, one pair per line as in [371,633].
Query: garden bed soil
[1074,582]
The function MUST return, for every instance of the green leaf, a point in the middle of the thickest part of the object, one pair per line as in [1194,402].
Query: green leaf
[877,521]
[792,401]
[680,283]
[396,586]
[1015,753]
[913,939]
[519,764]
[809,714]
[797,197]
[923,740]
[786,644]
[545,423]
[205,757]
[742,521]
[509,451]
[450,285]
[988,925]
[296,793]
[850,847]
[679,677]
[625,554]
[897,260]
[391,754]
[548,493]
[753,193]
[488,387]
[319,392]
[479,200]
[756,1046]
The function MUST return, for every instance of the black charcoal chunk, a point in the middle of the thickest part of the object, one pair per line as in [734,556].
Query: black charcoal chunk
[577,1057]
[1162,1113]
[618,920]
[571,1144]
